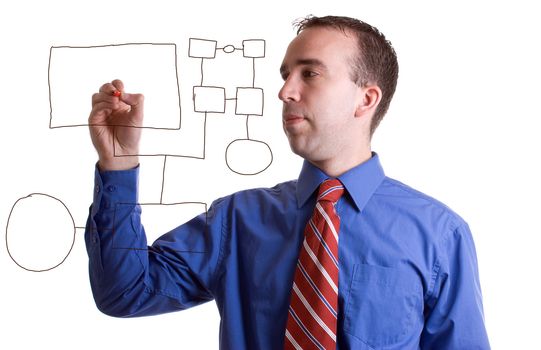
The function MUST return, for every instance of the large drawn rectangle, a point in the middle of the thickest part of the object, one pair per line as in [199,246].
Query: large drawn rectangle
[76,72]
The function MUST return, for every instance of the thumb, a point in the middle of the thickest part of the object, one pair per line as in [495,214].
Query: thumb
[135,101]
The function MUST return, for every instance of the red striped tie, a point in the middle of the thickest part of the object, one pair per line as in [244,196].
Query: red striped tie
[311,322]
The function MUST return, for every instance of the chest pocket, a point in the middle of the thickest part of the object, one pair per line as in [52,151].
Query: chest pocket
[384,306]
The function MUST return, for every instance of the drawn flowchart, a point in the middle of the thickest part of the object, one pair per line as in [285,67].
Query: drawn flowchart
[156,66]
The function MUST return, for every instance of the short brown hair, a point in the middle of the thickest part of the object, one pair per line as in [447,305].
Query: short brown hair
[376,62]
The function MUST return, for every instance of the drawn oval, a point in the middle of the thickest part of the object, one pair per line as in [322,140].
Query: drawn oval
[229,49]
[248,157]
[40,232]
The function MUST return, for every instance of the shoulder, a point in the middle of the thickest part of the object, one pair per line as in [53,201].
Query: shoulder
[404,200]
[263,196]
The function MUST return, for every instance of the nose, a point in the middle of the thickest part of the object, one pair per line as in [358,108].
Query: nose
[289,91]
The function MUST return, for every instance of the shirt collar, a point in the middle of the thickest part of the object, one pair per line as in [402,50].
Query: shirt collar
[360,182]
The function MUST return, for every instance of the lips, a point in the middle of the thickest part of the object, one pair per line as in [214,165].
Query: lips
[290,119]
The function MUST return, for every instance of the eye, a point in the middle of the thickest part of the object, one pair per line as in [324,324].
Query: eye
[284,75]
[309,74]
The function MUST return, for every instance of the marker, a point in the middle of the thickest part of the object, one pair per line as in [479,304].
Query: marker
[116,93]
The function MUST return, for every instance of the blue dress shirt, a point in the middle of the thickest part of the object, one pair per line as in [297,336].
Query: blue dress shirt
[408,271]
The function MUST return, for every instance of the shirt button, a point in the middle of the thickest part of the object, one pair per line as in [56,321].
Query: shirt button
[111,188]
[97,188]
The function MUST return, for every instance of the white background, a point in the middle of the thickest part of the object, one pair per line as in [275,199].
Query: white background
[463,127]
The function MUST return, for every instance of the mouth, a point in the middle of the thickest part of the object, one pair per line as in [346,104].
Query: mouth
[291,119]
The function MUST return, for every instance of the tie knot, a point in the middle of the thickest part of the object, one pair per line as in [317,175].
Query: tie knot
[330,190]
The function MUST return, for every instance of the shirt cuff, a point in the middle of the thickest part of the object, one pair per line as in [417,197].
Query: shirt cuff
[115,187]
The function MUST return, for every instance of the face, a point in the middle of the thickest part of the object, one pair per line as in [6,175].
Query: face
[319,97]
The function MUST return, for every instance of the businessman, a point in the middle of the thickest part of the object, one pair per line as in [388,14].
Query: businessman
[341,258]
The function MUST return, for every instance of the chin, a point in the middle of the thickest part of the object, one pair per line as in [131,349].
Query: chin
[299,144]
[298,150]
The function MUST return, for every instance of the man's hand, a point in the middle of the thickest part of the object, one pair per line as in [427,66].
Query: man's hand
[115,126]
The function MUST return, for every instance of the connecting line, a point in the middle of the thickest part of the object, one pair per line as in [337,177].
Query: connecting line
[163,178]
[178,88]
[49,84]
[247,130]
[182,156]
[205,136]
[202,76]
[164,154]
[253,70]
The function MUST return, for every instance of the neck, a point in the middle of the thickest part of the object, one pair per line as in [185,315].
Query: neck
[335,167]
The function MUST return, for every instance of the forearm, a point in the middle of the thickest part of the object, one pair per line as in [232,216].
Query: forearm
[117,247]
[129,278]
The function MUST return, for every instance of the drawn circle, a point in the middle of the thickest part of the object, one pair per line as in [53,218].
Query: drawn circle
[40,232]
[229,49]
[248,157]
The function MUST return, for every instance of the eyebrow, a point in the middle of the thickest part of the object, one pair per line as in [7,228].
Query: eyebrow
[305,62]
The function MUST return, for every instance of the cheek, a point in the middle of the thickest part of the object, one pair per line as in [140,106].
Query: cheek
[338,105]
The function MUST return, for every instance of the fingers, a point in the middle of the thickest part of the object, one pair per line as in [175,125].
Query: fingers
[103,105]
[100,112]
[109,88]
[109,93]
[104,97]
[118,84]
[114,88]
[106,102]
[106,94]
[135,101]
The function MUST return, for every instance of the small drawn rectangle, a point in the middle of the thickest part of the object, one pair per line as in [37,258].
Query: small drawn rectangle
[201,48]
[209,99]
[159,219]
[254,48]
[249,101]
[76,73]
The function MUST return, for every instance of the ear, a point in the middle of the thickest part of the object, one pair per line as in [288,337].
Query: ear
[368,99]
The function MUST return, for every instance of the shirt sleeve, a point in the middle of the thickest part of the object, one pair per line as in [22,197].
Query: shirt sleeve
[130,278]
[454,318]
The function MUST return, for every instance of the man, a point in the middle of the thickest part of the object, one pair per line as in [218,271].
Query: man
[378,266]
